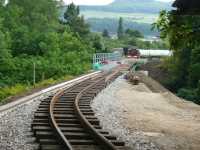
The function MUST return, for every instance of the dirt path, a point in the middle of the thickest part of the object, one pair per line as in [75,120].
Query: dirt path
[169,122]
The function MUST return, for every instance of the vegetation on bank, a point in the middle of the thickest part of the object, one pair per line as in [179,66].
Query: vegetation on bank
[182,32]
[20,89]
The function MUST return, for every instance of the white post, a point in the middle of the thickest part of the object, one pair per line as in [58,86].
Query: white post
[34,73]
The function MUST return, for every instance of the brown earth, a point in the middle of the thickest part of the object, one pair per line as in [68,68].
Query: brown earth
[156,71]
[166,120]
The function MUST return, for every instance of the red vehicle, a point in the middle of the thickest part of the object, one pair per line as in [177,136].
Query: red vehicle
[133,53]
[105,62]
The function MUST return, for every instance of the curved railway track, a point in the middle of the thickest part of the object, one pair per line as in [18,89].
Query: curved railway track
[66,121]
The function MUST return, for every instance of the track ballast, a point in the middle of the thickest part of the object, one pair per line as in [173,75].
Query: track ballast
[66,120]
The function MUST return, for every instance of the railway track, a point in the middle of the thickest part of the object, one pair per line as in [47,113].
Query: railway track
[67,121]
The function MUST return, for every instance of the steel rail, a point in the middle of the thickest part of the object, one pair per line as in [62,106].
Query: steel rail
[100,139]
[55,126]
[53,122]
[88,88]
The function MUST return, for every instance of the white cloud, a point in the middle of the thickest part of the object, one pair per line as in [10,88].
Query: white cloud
[98,2]
[89,2]
[165,0]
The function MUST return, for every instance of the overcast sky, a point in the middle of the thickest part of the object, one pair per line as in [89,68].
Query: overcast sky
[98,2]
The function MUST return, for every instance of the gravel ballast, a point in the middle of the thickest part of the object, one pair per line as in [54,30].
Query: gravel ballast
[15,126]
[16,117]
[110,111]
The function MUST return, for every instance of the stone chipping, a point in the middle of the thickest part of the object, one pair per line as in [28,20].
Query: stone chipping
[109,110]
[15,126]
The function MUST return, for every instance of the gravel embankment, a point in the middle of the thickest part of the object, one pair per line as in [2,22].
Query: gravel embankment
[15,126]
[109,110]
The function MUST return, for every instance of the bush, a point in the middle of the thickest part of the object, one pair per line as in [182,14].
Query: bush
[46,83]
[189,94]
[11,91]
[21,88]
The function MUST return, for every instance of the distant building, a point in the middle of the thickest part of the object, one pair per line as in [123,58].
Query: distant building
[151,39]
[187,6]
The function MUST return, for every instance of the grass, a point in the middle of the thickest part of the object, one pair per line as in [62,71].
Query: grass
[19,89]
[135,17]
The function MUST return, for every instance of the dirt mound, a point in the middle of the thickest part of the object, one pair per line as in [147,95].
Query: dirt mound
[156,71]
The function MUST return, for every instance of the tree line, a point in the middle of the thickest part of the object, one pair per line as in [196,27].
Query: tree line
[183,34]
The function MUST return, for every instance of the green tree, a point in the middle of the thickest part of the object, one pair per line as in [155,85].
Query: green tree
[75,21]
[105,33]
[71,14]
[5,55]
[182,32]
[28,27]
[134,33]
[120,31]
[98,43]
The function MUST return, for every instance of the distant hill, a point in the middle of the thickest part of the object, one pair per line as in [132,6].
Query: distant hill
[137,14]
[131,6]
[111,24]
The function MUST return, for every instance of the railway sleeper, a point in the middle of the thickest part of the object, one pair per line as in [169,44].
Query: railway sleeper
[56,109]
[64,129]
[56,112]
[84,101]
[61,116]
[117,142]
[51,147]
[70,120]
[67,98]
[38,124]
[68,135]
[92,121]
[72,142]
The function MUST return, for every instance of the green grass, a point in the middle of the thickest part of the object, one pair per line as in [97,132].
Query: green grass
[19,89]
[135,17]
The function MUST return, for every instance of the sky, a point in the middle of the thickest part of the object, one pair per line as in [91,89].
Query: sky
[97,2]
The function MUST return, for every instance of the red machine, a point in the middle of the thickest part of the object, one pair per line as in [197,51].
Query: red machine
[133,53]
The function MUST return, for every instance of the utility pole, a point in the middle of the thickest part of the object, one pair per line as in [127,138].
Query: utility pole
[34,74]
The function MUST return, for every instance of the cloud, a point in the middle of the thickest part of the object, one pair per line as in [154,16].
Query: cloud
[89,2]
[99,2]
[165,0]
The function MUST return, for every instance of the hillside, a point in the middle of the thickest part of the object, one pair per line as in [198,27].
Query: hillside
[111,24]
[131,6]
[137,14]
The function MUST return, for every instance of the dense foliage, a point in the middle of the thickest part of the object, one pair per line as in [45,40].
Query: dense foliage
[120,29]
[31,33]
[105,33]
[75,21]
[183,34]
